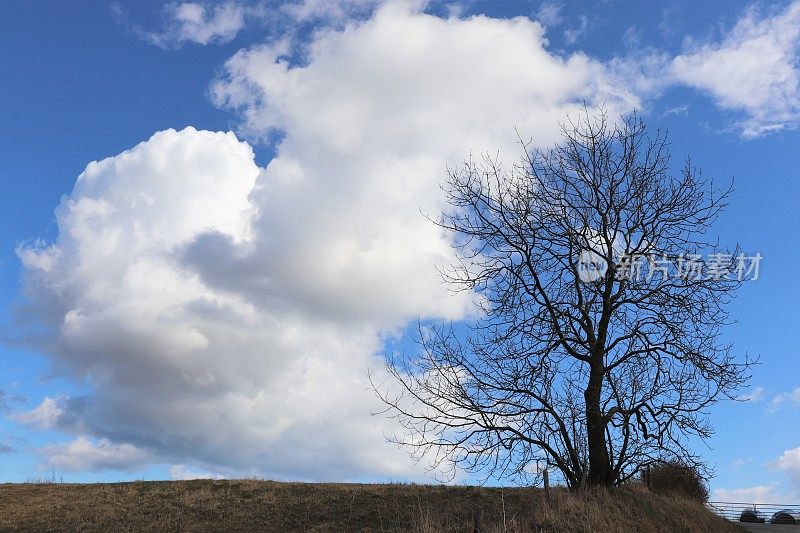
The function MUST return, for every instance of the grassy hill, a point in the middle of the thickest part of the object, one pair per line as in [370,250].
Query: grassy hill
[251,505]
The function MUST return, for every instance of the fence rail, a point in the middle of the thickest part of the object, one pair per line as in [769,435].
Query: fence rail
[757,512]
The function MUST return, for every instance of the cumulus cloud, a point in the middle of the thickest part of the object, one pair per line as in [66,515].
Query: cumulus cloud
[226,313]
[369,125]
[179,368]
[82,454]
[754,70]
[45,416]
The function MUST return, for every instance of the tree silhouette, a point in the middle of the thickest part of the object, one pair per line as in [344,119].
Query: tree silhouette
[598,349]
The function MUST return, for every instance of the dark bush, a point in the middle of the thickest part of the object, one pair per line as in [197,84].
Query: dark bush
[672,477]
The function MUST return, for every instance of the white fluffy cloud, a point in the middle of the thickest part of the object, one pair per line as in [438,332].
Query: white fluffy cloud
[369,125]
[225,315]
[44,416]
[83,454]
[755,69]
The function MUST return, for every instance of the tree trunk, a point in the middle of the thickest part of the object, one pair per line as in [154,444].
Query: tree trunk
[599,463]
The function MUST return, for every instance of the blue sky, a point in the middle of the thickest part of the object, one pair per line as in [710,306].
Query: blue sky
[87,81]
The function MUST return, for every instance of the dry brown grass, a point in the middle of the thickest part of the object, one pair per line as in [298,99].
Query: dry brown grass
[250,505]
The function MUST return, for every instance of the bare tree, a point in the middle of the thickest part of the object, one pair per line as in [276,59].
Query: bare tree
[598,348]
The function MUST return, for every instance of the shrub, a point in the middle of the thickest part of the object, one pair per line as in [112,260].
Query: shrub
[672,477]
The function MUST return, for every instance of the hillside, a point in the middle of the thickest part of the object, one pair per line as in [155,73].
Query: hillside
[247,505]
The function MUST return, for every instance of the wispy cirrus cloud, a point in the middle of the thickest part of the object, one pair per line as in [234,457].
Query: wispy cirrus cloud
[7,401]
[205,22]
[738,463]
[756,394]
[192,22]
[551,15]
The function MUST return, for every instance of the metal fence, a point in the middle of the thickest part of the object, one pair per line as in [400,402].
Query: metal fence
[756,512]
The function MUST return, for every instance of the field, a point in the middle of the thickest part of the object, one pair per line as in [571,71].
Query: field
[254,505]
